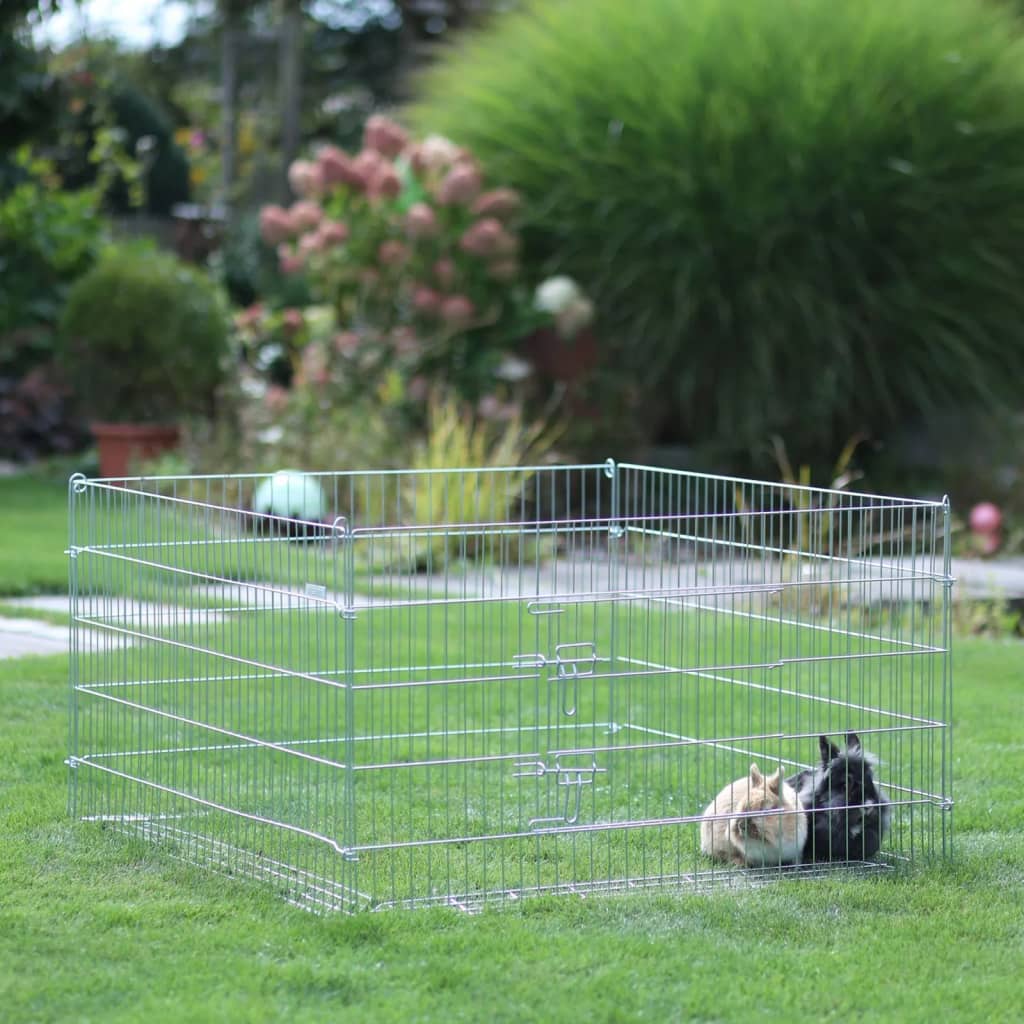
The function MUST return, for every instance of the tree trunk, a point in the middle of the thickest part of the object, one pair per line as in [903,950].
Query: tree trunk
[231,31]
[290,84]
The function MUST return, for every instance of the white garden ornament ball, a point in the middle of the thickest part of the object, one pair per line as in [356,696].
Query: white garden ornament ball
[292,494]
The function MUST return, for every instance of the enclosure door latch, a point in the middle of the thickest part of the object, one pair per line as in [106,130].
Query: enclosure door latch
[573,662]
[572,778]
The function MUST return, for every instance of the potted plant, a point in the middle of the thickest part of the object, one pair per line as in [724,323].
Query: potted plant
[143,341]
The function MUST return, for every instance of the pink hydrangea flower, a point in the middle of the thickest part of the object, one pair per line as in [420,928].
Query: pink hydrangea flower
[385,136]
[392,253]
[486,237]
[461,185]
[421,221]
[276,225]
[444,272]
[306,179]
[434,155]
[385,183]
[289,260]
[426,301]
[310,242]
[333,232]
[366,164]
[457,310]
[306,215]
[499,202]
[338,168]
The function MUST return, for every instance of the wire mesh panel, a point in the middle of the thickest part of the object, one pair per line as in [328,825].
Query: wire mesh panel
[461,686]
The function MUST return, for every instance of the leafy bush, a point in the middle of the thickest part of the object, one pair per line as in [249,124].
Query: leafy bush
[167,180]
[48,237]
[248,269]
[27,96]
[105,115]
[143,337]
[801,219]
[414,262]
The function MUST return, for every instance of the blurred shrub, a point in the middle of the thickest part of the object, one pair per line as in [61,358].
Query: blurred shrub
[103,115]
[802,218]
[415,255]
[248,269]
[143,337]
[167,179]
[48,237]
[27,96]
[36,416]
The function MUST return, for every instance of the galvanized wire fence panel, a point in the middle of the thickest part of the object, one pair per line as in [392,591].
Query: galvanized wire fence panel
[465,686]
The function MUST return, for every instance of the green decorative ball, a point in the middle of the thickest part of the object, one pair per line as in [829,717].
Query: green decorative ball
[292,494]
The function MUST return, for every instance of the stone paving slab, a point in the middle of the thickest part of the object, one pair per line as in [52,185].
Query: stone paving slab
[21,637]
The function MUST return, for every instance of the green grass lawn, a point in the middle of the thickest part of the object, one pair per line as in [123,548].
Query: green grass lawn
[441,766]
[33,535]
[94,925]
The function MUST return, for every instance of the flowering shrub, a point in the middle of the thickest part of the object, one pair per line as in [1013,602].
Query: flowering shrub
[418,257]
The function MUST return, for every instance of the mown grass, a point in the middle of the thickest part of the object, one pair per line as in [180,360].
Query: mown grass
[96,926]
[33,535]
[451,765]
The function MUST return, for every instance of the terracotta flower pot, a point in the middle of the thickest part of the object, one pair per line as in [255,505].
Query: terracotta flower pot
[123,445]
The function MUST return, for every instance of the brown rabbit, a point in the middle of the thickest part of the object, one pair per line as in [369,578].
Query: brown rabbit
[755,840]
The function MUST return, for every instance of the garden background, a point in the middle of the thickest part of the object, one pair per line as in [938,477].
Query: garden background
[380,233]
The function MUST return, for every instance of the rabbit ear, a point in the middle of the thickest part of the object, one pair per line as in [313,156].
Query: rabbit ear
[828,750]
[755,774]
[775,780]
[852,743]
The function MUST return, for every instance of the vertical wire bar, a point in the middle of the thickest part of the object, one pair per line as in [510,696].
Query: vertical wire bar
[947,684]
[76,486]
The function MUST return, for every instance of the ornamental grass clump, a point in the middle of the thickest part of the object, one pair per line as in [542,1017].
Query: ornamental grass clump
[801,218]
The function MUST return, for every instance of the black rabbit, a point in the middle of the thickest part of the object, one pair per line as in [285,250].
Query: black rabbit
[849,814]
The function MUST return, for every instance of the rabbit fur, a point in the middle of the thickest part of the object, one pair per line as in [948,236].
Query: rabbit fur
[744,838]
[848,811]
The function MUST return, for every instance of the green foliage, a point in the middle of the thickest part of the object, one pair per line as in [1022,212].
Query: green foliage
[248,269]
[802,220]
[48,237]
[26,96]
[995,617]
[456,438]
[167,177]
[113,135]
[143,337]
